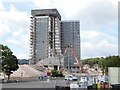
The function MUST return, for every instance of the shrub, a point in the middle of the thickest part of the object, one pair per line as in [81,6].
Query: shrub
[56,73]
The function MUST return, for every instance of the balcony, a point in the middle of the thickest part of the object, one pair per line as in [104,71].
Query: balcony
[31,17]
[31,37]
[31,33]
[31,26]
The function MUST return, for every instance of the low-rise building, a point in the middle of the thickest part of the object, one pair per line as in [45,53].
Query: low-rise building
[53,63]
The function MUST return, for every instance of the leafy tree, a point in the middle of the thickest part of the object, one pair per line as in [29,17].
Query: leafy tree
[90,61]
[8,60]
[5,51]
[104,63]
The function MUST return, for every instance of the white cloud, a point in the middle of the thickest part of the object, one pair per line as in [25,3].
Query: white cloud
[1,7]
[17,1]
[4,28]
[13,42]
[94,16]
[16,33]
[21,55]
[45,3]
[70,8]
[14,29]
[67,7]
[96,36]
[97,44]
[13,20]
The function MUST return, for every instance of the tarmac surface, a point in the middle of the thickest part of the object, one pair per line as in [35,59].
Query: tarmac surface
[35,84]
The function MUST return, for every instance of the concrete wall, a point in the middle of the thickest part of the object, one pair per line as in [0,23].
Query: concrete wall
[114,75]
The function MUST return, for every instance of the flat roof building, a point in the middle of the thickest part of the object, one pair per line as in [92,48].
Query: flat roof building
[45,34]
[70,35]
[49,35]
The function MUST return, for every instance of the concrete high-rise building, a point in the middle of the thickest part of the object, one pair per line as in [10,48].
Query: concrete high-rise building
[48,34]
[44,34]
[70,35]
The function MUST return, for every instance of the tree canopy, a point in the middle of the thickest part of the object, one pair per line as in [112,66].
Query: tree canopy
[104,63]
[9,62]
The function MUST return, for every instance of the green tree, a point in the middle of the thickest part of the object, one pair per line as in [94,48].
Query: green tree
[111,61]
[90,61]
[54,73]
[8,60]
[104,63]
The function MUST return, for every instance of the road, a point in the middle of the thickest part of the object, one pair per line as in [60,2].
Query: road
[35,84]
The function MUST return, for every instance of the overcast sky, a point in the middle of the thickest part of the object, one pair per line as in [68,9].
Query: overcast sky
[98,24]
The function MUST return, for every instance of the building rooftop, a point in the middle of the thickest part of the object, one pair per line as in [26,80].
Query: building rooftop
[45,12]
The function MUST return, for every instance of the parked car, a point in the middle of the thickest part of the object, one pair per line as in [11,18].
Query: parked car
[42,76]
[71,78]
[2,79]
[74,85]
[78,86]
[83,79]
[74,78]
[68,77]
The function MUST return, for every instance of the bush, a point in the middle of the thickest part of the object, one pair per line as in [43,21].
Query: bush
[61,74]
[56,73]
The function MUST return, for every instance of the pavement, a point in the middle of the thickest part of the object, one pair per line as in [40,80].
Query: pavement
[35,84]
[38,84]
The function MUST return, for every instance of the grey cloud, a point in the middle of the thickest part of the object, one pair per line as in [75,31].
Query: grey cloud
[97,15]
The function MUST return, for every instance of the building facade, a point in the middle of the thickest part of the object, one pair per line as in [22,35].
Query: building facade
[48,34]
[45,34]
[70,35]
